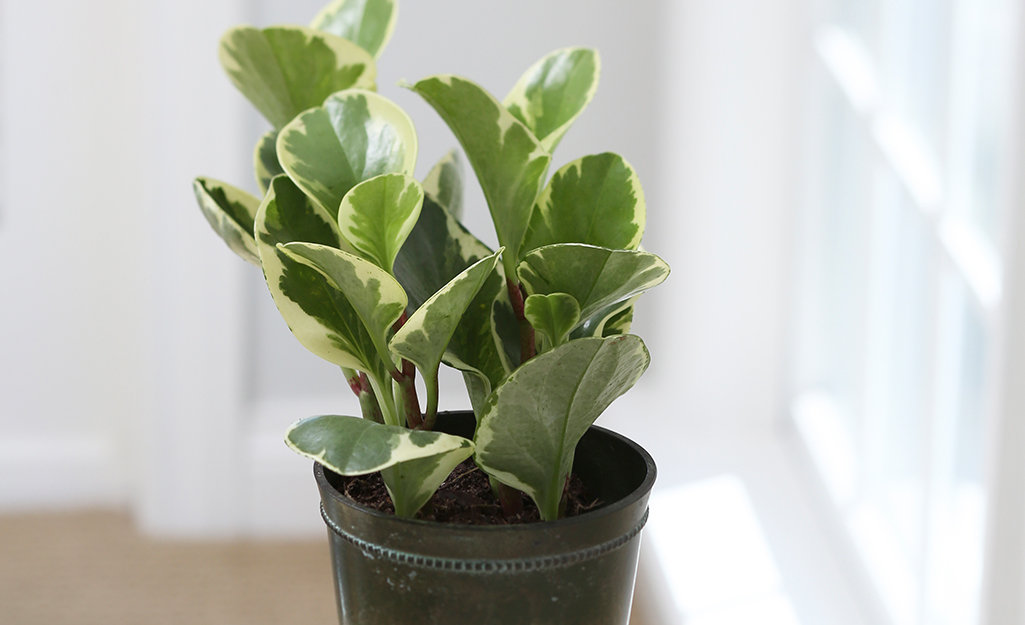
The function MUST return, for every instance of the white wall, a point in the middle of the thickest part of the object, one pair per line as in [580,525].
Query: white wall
[730,92]
[73,359]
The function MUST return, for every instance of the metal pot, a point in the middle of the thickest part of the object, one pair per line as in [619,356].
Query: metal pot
[575,571]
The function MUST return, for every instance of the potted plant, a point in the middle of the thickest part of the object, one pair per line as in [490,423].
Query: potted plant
[373,271]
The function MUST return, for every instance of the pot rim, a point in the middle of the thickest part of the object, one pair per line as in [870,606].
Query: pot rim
[643,488]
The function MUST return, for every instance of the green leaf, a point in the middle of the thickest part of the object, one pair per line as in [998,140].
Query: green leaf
[353,137]
[377,215]
[532,422]
[377,298]
[620,322]
[554,91]
[507,158]
[368,23]
[595,200]
[425,336]
[265,160]
[596,276]
[412,483]
[437,250]
[318,314]
[285,70]
[609,321]
[230,212]
[555,315]
[445,183]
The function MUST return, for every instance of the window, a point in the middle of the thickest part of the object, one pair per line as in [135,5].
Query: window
[900,287]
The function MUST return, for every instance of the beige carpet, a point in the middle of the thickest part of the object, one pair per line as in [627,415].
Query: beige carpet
[94,569]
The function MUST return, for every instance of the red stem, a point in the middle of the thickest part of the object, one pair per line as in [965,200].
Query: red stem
[516,294]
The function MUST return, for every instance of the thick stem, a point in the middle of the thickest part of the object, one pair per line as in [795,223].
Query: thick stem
[409,404]
[511,499]
[432,400]
[368,400]
[526,330]
[352,377]
[383,392]
[360,385]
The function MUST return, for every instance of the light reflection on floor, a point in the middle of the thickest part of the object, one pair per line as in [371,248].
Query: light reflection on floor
[714,557]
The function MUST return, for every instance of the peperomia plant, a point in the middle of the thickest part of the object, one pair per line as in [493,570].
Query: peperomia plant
[373,271]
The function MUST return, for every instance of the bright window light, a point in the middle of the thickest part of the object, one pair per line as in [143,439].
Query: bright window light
[714,557]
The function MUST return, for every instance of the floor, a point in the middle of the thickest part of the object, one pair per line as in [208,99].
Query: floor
[92,568]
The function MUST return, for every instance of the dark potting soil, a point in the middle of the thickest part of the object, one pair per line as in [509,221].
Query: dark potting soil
[464,498]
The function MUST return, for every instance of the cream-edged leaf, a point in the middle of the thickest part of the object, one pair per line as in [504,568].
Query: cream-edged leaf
[508,160]
[595,200]
[596,276]
[612,320]
[425,336]
[318,314]
[532,422]
[284,70]
[265,160]
[550,95]
[368,23]
[377,298]
[437,250]
[230,211]
[356,135]
[411,483]
[355,446]
[377,215]
[444,183]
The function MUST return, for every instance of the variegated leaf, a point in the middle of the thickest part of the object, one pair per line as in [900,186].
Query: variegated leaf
[596,276]
[554,315]
[595,200]
[436,251]
[509,161]
[353,137]
[265,160]
[317,313]
[285,70]
[550,95]
[445,183]
[377,298]
[353,446]
[620,322]
[425,336]
[610,321]
[230,212]
[412,483]
[377,215]
[368,23]
[532,422]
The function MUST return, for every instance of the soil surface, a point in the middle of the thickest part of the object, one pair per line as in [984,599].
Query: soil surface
[464,498]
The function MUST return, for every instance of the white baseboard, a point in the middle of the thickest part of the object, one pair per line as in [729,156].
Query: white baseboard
[50,473]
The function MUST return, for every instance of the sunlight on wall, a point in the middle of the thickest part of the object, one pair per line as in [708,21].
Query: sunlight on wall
[714,557]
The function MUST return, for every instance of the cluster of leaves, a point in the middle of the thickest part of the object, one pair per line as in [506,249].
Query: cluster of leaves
[373,271]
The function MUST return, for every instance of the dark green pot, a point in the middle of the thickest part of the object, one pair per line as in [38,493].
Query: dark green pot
[577,571]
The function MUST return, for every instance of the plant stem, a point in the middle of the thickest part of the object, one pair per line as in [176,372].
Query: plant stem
[368,401]
[526,330]
[432,401]
[383,394]
[409,404]
[511,499]
[360,385]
